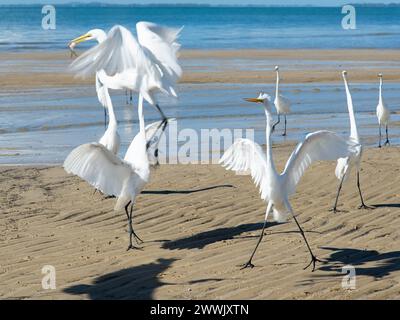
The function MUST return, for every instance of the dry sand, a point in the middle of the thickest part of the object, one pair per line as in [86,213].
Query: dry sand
[199,224]
[222,66]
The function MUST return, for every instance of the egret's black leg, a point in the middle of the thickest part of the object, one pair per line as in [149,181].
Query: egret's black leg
[131,228]
[363,205]
[380,136]
[130,97]
[334,209]
[126,96]
[387,137]
[274,125]
[284,132]
[105,118]
[314,259]
[249,264]
[131,246]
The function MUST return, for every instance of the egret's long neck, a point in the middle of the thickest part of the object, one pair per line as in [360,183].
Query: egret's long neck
[380,91]
[101,37]
[277,84]
[140,115]
[268,132]
[110,108]
[353,126]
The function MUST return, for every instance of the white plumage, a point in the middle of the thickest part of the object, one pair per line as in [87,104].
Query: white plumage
[382,113]
[275,188]
[122,178]
[110,139]
[345,164]
[147,65]
[282,104]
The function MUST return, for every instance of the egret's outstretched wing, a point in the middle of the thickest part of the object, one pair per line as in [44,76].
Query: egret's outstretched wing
[162,43]
[317,146]
[101,168]
[246,155]
[117,53]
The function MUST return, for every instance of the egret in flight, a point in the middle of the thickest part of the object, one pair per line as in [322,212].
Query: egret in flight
[383,113]
[275,188]
[282,104]
[122,178]
[344,165]
[147,65]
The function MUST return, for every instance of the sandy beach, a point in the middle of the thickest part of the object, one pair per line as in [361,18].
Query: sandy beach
[199,223]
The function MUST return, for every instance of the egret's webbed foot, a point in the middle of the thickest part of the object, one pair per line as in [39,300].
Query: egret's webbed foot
[132,247]
[364,206]
[248,264]
[335,210]
[314,259]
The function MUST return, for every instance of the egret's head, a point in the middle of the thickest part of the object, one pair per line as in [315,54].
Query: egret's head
[380,75]
[94,34]
[344,73]
[263,98]
[276,68]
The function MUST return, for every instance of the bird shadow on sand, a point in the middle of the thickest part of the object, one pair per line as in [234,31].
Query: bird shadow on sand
[202,239]
[137,283]
[386,205]
[370,263]
[186,191]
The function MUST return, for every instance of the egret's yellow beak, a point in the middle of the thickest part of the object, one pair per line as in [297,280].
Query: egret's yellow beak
[254,100]
[81,38]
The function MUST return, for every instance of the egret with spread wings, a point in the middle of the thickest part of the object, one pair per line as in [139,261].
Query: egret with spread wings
[122,178]
[147,65]
[275,188]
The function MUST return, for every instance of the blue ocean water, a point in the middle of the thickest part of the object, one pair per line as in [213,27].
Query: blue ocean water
[209,27]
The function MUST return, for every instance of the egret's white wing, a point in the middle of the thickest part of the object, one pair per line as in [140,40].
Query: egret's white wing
[317,146]
[246,155]
[162,43]
[118,52]
[101,168]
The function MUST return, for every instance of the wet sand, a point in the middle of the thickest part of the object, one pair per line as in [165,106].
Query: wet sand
[221,66]
[199,223]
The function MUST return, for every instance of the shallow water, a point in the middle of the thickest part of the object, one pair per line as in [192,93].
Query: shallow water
[209,27]
[42,126]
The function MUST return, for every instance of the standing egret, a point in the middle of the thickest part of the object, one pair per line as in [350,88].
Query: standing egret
[383,113]
[276,188]
[122,178]
[344,165]
[146,65]
[282,104]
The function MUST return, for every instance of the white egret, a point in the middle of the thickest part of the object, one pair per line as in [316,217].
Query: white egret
[99,36]
[122,178]
[344,165]
[275,188]
[282,104]
[383,113]
[147,65]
